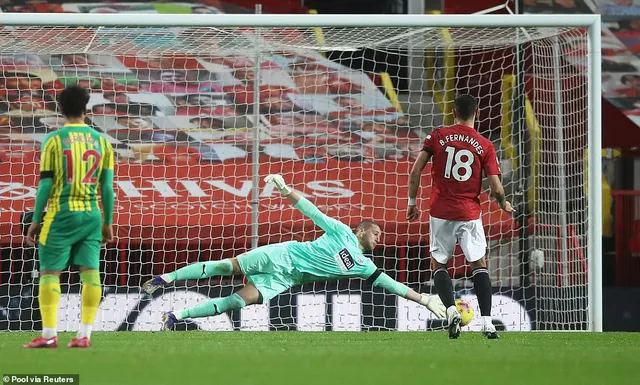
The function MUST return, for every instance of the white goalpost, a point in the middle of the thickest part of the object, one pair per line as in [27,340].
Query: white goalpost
[200,108]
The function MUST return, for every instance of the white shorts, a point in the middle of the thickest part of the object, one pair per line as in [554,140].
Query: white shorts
[445,234]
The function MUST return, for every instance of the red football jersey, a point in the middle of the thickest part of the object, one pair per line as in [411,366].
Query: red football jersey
[460,155]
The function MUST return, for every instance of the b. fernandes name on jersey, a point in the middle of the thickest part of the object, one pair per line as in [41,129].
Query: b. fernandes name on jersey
[463,138]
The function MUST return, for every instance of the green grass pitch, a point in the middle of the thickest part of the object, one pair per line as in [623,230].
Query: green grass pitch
[333,358]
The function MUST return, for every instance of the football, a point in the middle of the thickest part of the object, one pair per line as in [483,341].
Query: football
[465,310]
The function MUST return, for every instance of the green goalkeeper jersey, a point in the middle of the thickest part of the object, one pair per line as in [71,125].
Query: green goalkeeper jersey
[335,255]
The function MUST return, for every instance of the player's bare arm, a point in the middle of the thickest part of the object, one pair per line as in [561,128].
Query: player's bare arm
[497,192]
[413,212]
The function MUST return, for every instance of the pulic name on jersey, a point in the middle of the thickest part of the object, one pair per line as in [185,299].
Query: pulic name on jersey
[78,137]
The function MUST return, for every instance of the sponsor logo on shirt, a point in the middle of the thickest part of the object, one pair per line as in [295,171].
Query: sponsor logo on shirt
[345,260]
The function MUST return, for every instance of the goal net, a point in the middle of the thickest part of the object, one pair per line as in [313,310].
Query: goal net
[198,116]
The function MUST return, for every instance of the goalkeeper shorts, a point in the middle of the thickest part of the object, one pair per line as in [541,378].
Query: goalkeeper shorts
[269,268]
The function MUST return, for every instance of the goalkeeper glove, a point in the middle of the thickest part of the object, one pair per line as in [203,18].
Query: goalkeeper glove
[434,304]
[278,181]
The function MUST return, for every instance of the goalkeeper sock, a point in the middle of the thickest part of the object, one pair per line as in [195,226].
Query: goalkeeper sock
[48,298]
[482,286]
[444,287]
[214,307]
[91,295]
[200,270]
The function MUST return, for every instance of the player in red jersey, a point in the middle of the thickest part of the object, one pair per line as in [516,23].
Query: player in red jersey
[460,156]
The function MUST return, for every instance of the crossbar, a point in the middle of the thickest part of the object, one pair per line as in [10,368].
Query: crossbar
[294,20]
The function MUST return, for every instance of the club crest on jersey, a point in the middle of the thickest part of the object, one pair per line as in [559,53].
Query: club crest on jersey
[344,260]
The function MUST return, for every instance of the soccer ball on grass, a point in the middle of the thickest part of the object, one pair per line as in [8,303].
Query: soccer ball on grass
[465,310]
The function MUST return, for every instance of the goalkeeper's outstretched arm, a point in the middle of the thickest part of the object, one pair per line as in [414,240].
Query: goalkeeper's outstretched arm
[431,302]
[325,222]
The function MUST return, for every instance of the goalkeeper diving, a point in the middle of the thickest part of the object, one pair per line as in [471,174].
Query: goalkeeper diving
[273,269]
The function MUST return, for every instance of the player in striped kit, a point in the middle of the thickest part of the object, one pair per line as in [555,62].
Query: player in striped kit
[75,165]
[273,269]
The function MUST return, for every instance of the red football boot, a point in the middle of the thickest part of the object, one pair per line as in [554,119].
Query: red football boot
[41,342]
[79,343]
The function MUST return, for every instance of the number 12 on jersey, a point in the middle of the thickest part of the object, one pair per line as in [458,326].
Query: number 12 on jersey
[455,164]
[73,162]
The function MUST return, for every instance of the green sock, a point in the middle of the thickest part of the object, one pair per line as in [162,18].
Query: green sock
[214,307]
[200,270]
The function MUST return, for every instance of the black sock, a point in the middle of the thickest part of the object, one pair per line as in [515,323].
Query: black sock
[482,286]
[444,287]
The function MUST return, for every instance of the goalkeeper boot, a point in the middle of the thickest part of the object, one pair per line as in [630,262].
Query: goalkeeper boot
[168,321]
[79,343]
[489,331]
[454,322]
[41,342]
[153,284]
